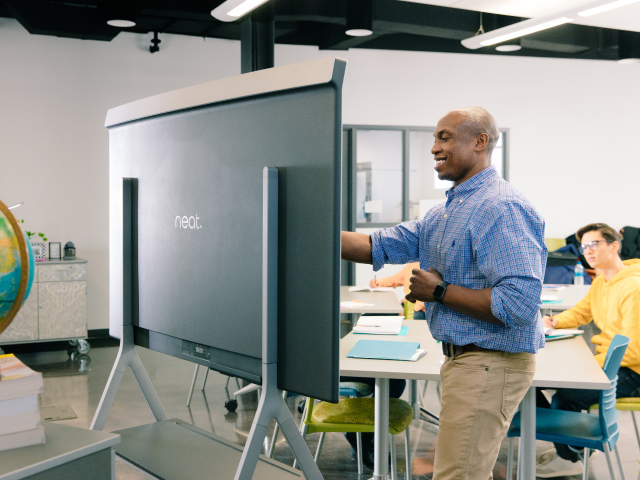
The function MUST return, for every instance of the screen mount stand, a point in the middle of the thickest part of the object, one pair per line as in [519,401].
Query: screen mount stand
[271,404]
[127,355]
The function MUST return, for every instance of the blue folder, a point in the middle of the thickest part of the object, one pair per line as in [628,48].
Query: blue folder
[383,350]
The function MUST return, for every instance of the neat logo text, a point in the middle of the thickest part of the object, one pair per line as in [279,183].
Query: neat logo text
[188,222]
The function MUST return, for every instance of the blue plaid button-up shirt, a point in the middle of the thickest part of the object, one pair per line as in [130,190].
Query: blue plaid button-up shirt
[486,235]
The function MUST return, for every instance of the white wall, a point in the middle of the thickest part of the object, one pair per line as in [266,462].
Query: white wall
[572,123]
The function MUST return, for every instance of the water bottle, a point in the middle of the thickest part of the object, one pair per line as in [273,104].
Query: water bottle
[578,274]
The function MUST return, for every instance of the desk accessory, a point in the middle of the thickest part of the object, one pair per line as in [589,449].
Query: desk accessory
[55,251]
[69,251]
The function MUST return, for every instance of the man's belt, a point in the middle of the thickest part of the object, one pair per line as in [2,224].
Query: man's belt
[451,350]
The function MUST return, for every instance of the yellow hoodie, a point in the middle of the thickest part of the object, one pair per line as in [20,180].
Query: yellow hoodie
[614,307]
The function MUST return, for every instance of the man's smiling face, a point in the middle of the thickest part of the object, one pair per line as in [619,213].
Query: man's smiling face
[454,148]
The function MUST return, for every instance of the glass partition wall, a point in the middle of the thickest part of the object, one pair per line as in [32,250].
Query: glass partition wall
[388,178]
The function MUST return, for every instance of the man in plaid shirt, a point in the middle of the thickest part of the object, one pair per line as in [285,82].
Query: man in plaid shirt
[482,257]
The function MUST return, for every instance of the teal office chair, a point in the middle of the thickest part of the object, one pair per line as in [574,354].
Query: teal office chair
[599,432]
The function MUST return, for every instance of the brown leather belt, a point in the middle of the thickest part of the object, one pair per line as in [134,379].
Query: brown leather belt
[451,350]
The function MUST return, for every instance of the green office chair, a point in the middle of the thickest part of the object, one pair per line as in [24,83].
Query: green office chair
[358,415]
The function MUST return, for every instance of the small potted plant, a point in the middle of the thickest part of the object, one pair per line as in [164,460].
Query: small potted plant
[37,244]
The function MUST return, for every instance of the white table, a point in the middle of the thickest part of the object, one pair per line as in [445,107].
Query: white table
[562,364]
[384,302]
[569,296]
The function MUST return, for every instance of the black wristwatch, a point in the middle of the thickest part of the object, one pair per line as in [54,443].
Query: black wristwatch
[439,291]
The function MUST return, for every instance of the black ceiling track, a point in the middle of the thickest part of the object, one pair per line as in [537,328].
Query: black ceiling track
[397,25]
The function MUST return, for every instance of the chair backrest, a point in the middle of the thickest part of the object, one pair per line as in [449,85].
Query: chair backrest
[607,410]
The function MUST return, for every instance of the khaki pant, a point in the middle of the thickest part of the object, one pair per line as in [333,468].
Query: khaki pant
[480,394]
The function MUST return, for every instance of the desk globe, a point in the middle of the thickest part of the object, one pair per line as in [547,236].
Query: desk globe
[17,267]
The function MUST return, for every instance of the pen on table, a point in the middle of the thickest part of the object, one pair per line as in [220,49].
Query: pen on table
[375,281]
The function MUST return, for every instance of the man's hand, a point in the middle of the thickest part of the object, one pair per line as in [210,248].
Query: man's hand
[549,322]
[423,284]
[373,283]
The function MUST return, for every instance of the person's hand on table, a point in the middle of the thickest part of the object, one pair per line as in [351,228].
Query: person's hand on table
[374,283]
[423,284]
[549,322]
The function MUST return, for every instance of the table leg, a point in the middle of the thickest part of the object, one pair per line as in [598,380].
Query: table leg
[528,434]
[381,436]
[413,399]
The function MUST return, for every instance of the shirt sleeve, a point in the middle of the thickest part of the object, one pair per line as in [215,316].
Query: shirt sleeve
[578,315]
[396,245]
[512,256]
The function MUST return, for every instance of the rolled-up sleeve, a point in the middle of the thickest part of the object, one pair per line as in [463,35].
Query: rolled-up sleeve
[512,255]
[397,245]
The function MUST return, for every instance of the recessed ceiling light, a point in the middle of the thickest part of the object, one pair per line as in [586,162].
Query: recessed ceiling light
[359,32]
[121,23]
[359,18]
[508,48]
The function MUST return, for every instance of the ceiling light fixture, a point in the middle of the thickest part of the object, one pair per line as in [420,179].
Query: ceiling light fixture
[606,7]
[15,206]
[359,18]
[232,10]
[521,30]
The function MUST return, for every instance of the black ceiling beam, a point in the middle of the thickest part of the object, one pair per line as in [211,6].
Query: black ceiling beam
[42,17]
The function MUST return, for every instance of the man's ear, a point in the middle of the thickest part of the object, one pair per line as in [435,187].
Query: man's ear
[482,141]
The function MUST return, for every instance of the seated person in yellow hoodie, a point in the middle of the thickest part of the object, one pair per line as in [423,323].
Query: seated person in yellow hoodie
[401,279]
[613,302]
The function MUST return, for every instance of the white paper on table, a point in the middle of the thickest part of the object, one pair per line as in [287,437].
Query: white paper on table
[356,304]
[369,289]
[552,288]
[562,331]
[373,206]
[426,205]
[379,325]
[548,297]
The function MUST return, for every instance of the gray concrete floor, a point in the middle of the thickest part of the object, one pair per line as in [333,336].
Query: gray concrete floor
[81,383]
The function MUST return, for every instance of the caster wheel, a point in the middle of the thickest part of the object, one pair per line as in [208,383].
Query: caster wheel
[301,406]
[83,347]
[73,343]
[84,362]
[73,354]
[231,405]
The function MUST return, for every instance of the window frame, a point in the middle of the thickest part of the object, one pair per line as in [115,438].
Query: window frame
[352,130]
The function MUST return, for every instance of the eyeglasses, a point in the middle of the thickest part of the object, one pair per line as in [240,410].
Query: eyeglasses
[591,245]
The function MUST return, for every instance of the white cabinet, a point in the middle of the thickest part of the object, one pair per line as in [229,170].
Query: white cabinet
[56,308]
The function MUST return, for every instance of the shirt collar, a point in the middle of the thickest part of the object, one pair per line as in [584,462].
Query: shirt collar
[467,187]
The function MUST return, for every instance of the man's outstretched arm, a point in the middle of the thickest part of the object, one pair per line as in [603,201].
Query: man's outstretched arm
[356,247]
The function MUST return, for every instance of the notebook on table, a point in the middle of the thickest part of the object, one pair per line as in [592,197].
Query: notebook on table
[386,350]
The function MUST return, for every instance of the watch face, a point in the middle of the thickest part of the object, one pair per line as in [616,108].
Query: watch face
[439,291]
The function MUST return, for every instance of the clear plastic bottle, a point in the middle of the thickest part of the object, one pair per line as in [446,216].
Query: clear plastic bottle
[578,275]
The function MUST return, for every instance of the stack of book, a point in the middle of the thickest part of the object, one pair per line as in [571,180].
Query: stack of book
[19,415]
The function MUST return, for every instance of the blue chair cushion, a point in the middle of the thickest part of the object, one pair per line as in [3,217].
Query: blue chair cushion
[568,428]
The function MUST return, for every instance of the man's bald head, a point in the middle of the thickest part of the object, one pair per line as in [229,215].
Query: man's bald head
[476,120]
